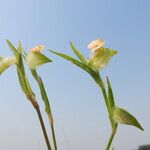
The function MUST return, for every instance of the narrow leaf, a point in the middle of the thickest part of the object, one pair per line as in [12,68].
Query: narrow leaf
[43,94]
[79,55]
[110,94]
[22,82]
[122,116]
[74,61]
[12,48]
[20,60]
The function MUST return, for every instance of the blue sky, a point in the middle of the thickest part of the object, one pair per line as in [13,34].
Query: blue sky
[78,107]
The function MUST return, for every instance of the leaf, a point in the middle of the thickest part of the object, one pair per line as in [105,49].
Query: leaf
[20,60]
[43,94]
[6,63]
[12,48]
[110,94]
[42,89]
[22,51]
[122,116]
[74,61]
[22,82]
[35,59]
[17,54]
[79,55]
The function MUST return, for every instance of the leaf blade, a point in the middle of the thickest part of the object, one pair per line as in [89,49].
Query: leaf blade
[78,54]
[110,94]
[74,61]
[12,48]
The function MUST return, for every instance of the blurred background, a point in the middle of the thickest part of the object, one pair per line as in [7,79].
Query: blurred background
[77,104]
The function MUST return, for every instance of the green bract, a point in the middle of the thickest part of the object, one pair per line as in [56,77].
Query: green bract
[35,59]
[100,58]
[122,116]
[6,63]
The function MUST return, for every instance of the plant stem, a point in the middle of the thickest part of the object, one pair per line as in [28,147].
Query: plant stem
[111,138]
[37,108]
[53,135]
[100,83]
[51,122]
[43,129]
[47,104]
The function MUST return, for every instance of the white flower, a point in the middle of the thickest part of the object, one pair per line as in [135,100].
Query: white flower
[96,44]
[100,56]
[38,48]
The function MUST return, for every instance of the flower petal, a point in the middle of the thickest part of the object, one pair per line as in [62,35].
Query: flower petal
[96,44]
[38,48]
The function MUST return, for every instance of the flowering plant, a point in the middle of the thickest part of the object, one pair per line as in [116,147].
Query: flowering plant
[34,59]
[99,58]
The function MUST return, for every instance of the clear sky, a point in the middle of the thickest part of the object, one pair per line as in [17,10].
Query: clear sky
[78,107]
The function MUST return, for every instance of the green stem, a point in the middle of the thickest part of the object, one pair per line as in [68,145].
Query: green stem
[53,136]
[111,138]
[100,83]
[43,127]
[47,104]
[51,122]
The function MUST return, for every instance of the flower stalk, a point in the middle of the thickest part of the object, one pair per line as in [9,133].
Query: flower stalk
[37,108]
[113,132]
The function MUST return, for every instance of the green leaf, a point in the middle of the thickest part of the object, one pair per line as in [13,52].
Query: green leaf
[100,58]
[22,82]
[12,48]
[20,60]
[110,94]
[74,61]
[79,55]
[6,63]
[17,54]
[35,59]
[43,94]
[122,116]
